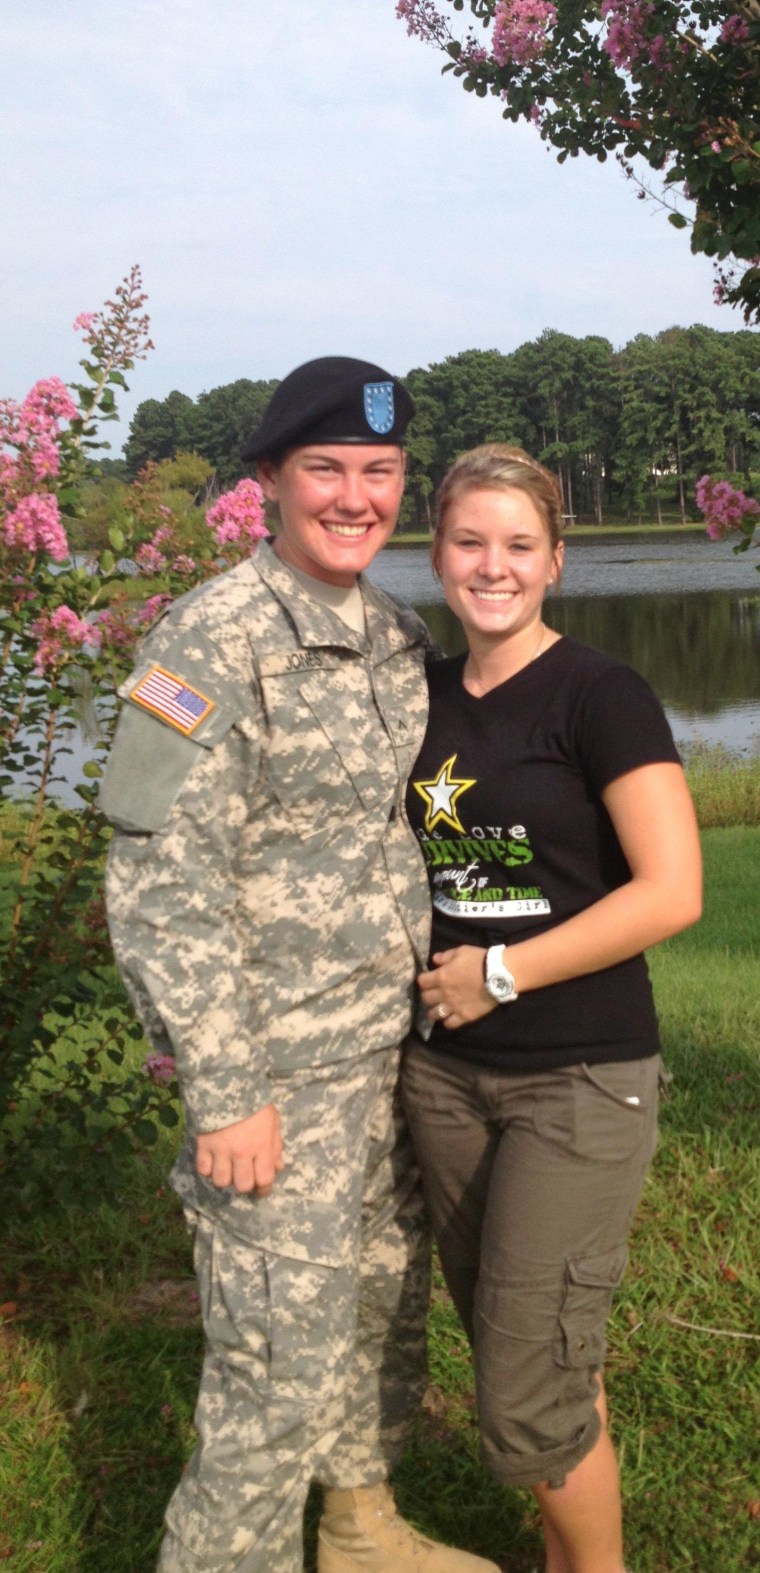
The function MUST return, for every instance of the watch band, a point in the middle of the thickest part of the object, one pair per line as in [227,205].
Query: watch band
[498,978]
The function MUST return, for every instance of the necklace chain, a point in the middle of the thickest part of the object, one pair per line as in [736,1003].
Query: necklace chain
[473,676]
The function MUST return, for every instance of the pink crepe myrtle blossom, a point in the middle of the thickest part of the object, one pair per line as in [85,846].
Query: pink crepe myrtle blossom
[716,146]
[472,55]
[723,505]
[149,559]
[423,20]
[160,1068]
[50,398]
[121,625]
[238,513]
[32,428]
[153,607]
[659,52]
[626,39]
[35,523]
[60,633]
[117,628]
[735,30]
[183,564]
[119,333]
[521,31]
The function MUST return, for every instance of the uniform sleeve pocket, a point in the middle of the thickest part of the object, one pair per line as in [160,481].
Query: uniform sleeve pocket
[589,1285]
[149,764]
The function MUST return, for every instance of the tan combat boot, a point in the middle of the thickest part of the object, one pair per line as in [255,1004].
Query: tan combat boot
[361,1532]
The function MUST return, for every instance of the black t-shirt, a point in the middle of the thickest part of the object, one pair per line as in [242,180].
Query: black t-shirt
[505,799]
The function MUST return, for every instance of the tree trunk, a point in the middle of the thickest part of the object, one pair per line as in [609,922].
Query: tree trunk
[681,487]
[657,497]
[597,479]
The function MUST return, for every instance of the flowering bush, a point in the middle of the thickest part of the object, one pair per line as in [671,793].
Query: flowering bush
[673,82]
[239,514]
[727,508]
[69,624]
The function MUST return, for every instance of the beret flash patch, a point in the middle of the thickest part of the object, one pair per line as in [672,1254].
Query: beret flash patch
[379,406]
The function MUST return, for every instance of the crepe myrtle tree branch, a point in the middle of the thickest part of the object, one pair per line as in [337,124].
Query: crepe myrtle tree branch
[675,83]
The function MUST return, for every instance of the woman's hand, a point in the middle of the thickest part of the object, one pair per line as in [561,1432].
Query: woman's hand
[455,991]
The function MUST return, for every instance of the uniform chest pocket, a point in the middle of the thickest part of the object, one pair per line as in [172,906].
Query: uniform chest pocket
[327,753]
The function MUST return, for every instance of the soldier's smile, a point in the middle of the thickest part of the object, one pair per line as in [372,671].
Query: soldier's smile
[338,503]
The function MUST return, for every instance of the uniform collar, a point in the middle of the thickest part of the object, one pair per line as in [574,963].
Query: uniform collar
[318,625]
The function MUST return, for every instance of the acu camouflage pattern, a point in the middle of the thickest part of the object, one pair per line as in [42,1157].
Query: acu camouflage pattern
[315,1361]
[268,902]
[269,909]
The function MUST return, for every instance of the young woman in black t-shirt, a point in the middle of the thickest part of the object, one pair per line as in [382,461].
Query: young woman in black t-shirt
[561,842]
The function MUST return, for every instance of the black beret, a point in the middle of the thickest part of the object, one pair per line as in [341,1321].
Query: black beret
[333,399]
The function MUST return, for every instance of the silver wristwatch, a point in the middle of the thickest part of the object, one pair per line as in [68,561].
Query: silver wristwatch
[499,980]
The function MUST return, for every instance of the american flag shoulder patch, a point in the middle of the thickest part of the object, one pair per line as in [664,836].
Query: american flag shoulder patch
[172,699]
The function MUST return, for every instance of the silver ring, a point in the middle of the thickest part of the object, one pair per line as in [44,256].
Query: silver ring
[441,1011]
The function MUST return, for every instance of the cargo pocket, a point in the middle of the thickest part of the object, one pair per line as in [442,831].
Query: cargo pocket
[273,1320]
[236,1302]
[313,1323]
[589,1285]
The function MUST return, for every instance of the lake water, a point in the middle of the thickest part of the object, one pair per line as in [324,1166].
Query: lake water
[685,611]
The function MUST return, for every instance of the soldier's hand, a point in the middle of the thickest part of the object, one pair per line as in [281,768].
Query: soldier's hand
[247,1155]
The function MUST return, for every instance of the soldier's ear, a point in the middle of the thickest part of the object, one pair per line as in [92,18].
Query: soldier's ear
[266,472]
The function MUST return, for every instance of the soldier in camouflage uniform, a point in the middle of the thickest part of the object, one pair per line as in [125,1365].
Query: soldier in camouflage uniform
[269,910]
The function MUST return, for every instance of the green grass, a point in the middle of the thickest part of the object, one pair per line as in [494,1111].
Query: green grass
[100,1343]
[725,787]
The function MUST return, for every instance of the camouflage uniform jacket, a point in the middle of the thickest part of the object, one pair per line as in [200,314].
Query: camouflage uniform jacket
[267,900]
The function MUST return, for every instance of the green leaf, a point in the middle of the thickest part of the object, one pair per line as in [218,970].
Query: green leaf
[168,1115]
[116,376]
[92,769]
[146,1131]
[107,561]
[678,221]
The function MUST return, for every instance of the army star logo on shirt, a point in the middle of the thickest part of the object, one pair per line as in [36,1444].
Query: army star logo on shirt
[441,796]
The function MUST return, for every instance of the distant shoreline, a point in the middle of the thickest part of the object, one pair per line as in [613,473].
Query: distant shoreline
[422,538]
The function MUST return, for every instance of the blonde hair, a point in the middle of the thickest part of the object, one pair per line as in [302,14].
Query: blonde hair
[495,467]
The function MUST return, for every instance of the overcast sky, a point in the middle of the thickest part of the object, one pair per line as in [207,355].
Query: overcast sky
[296,178]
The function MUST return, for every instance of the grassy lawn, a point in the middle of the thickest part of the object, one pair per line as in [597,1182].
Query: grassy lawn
[100,1340]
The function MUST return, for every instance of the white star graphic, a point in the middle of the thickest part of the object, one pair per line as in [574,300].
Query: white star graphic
[441,795]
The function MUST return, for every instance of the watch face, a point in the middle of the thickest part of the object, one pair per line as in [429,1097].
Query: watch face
[498,979]
[499,988]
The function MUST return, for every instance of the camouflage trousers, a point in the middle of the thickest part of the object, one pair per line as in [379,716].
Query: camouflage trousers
[314,1302]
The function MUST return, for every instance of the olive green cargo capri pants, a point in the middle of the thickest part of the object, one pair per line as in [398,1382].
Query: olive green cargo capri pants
[531,1182]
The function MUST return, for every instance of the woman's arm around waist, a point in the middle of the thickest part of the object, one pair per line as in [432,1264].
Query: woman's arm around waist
[654,820]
